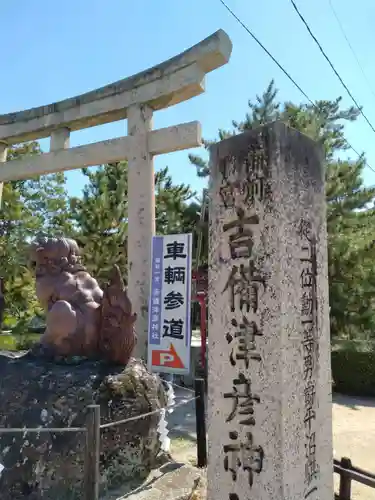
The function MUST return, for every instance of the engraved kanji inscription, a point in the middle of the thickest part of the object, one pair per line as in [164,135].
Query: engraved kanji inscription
[310,394]
[307,303]
[246,328]
[244,348]
[305,229]
[227,167]
[309,319]
[311,468]
[242,192]
[243,284]
[244,179]
[228,190]
[228,194]
[309,344]
[241,242]
[243,455]
[307,277]
[243,400]
[255,168]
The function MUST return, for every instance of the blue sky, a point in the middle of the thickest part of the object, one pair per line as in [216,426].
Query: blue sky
[54,50]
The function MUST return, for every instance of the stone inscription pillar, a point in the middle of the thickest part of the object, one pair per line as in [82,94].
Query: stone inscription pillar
[141,219]
[269,422]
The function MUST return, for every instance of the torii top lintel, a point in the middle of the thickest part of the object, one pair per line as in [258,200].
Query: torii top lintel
[161,86]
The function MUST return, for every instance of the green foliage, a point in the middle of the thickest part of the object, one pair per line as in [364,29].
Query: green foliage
[30,207]
[322,122]
[178,210]
[172,211]
[353,372]
[98,220]
[265,109]
[350,210]
[350,223]
[19,340]
[100,216]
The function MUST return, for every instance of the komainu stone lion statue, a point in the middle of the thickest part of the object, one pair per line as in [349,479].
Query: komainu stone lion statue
[81,318]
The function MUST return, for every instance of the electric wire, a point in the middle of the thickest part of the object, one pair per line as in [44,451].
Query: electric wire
[331,64]
[351,47]
[286,73]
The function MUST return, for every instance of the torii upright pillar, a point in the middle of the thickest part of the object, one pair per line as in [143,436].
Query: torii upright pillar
[141,216]
[135,99]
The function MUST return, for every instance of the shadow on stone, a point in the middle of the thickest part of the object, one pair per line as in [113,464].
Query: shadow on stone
[35,392]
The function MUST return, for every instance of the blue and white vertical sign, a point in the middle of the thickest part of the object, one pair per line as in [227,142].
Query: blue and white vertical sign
[169,331]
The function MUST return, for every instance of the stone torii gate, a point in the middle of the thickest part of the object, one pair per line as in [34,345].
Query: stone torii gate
[134,98]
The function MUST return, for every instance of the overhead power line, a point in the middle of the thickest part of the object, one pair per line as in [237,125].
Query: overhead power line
[267,51]
[331,64]
[351,47]
[247,29]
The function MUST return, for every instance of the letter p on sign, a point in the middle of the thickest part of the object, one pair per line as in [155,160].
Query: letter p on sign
[168,358]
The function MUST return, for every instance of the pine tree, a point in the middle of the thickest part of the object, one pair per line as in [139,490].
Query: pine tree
[172,202]
[350,224]
[101,215]
[350,206]
[100,218]
[265,109]
[30,207]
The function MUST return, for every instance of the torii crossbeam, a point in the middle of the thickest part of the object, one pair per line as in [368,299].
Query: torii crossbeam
[135,99]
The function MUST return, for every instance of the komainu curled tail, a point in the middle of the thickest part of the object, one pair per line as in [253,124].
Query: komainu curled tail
[81,318]
[117,337]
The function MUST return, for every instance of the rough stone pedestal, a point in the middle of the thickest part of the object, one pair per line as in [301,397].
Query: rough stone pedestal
[269,423]
[173,481]
[49,466]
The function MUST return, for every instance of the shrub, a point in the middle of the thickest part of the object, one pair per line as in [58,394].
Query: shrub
[353,372]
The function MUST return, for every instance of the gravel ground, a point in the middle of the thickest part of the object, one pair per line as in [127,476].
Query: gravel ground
[353,435]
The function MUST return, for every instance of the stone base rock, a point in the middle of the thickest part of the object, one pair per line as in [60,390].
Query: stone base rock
[173,481]
[39,393]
